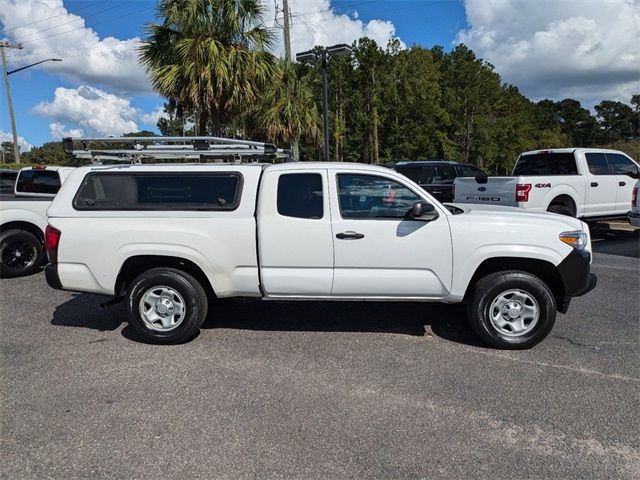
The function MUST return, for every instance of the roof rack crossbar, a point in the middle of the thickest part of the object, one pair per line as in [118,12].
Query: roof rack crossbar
[136,149]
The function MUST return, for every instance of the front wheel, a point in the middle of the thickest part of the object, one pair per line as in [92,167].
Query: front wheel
[20,253]
[166,306]
[512,310]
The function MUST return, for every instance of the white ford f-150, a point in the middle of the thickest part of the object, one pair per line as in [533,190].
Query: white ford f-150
[23,218]
[579,182]
[169,239]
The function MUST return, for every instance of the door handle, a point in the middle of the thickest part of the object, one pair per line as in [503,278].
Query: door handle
[594,184]
[622,184]
[349,236]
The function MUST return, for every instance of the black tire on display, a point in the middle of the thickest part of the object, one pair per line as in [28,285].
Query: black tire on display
[20,253]
[511,310]
[166,306]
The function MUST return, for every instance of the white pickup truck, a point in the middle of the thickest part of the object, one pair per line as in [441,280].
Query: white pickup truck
[585,183]
[23,218]
[169,239]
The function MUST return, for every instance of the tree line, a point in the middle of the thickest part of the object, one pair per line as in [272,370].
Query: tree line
[212,62]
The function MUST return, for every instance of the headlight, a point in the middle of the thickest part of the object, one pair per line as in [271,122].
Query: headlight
[577,239]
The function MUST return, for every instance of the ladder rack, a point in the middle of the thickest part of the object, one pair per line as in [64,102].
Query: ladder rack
[193,149]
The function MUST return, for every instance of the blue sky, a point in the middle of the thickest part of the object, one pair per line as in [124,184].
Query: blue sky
[550,49]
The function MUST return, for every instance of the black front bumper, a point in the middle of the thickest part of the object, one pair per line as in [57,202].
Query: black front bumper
[51,274]
[577,279]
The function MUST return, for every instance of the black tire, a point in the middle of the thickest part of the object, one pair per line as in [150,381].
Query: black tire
[492,287]
[20,253]
[192,295]
[561,210]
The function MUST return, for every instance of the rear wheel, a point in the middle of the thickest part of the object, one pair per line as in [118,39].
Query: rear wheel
[166,306]
[20,253]
[512,310]
[561,210]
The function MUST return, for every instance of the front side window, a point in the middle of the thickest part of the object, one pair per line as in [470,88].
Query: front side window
[300,195]
[597,163]
[621,165]
[372,196]
[159,191]
[38,181]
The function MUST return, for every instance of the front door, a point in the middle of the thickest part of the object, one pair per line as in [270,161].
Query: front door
[294,227]
[380,253]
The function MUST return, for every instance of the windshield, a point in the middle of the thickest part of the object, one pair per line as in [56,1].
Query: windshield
[546,163]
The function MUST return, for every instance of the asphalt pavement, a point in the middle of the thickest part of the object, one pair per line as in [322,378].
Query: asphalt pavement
[322,390]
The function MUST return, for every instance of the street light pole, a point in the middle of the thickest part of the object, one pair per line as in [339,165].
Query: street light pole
[325,106]
[16,148]
[3,45]
[323,55]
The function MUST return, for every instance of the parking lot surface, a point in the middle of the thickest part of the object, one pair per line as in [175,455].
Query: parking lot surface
[322,390]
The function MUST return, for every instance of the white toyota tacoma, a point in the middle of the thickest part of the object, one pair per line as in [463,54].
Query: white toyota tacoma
[585,183]
[23,218]
[169,239]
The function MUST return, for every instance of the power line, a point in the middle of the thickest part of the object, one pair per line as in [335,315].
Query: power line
[67,12]
[18,39]
[84,27]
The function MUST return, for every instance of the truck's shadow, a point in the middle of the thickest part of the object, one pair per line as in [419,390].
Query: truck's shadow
[401,318]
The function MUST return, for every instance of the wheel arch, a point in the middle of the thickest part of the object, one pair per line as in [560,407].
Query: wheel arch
[138,264]
[566,200]
[544,270]
[26,226]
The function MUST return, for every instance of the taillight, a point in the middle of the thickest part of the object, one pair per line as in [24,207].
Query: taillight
[51,242]
[634,197]
[522,192]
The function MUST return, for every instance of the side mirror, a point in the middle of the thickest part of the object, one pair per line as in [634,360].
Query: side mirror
[423,211]
[482,178]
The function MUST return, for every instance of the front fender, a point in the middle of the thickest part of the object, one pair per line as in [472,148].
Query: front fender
[467,267]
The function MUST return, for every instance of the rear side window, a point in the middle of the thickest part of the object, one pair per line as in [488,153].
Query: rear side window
[159,191]
[597,163]
[546,163]
[300,195]
[38,181]
[621,165]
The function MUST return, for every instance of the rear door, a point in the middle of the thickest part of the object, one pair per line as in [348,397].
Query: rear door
[380,253]
[602,185]
[294,230]
[626,172]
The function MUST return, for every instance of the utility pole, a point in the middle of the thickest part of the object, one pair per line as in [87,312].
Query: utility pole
[286,28]
[16,148]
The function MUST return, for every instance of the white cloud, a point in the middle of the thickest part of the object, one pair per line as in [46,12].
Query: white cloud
[91,109]
[58,130]
[315,22]
[152,118]
[584,49]
[22,143]
[46,28]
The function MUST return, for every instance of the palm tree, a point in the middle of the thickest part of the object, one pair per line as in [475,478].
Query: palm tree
[287,111]
[209,56]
